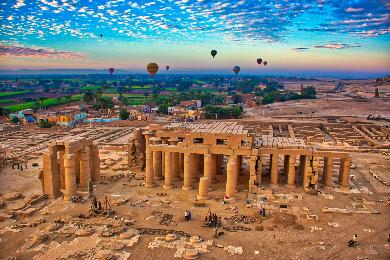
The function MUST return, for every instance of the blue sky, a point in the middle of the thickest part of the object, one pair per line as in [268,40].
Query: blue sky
[315,37]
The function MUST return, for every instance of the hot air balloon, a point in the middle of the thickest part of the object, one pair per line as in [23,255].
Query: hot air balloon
[259,61]
[167,67]
[152,69]
[111,70]
[265,63]
[236,69]
[213,53]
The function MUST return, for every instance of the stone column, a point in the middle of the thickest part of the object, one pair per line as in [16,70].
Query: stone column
[214,168]
[62,168]
[95,164]
[77,166]
[85,170]
[176,167]
[149,170]
[345,181]
[164,141]
[168,171]
[252,174]
[207,170]
[231,180]
[148,135]
[259,169]
[194,167]
[51,175]
[274,170]
[328,172]
[290,171]
[306,171]
[203,190]
[187,185]
[70,176]
[234,159]
[181,162]
[157,165]
[341,170]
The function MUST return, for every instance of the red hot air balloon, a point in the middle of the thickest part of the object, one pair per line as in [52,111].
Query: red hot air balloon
[111,70]
[259,61]
[265,63]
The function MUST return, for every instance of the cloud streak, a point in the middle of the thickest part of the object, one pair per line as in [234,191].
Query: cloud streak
[329,46]
[7,51]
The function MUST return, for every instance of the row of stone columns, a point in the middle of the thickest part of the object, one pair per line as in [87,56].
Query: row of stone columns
[305,170]
[172,166]
[89,170]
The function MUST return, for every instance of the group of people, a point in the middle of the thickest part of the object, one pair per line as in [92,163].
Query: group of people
[20,166]
[96,204]
[211,220]
[262,211]
[187,215]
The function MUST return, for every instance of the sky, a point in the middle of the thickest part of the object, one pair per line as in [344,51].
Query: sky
[307,37]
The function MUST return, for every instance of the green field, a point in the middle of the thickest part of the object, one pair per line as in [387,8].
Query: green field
[6,101]
[116,95]
[136,102]
[112,90]
[145,87]
[90,87]
[171,89]
[45,102]
[199,81]
[15,93]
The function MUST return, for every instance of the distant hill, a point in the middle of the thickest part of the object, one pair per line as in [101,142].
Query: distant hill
[60,72]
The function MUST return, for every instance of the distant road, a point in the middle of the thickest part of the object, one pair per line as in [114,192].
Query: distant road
[339,86]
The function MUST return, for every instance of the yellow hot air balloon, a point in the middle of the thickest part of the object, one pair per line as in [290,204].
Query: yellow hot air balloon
[152,69]
[236,69]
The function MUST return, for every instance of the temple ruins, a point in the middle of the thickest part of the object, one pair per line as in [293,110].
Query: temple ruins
[71,164]
[203,149]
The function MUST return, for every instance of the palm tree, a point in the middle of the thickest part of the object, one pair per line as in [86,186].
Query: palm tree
[146,94]
[58,99]
[42,99]
[68,98]
[88,96]
[155,96]
[124,100]
[105,87]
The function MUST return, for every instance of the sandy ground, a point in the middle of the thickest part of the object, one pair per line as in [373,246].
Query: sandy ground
[317,240]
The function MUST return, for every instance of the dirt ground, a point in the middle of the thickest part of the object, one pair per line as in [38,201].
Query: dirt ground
[292,237]
[284,236]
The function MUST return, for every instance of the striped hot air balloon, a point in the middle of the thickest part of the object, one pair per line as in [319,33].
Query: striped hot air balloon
[236,69]
[111,70]
[152,69]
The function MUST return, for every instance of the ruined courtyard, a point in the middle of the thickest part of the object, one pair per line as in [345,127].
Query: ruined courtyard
[320,182]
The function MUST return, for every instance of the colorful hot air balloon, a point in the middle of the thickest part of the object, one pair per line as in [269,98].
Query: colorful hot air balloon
[152,69]
[167,67]
[265,63]
[236,69]
[259,61]
[213,53]
[111,70]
